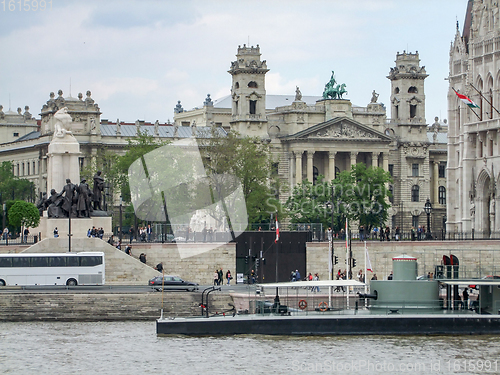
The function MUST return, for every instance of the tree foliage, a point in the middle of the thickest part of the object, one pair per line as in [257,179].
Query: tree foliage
[250,160]
[358,194]
[23,214]
[137,147]
[12,187]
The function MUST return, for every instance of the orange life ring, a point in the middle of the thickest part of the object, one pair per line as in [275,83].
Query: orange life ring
[323,306]
[302,304]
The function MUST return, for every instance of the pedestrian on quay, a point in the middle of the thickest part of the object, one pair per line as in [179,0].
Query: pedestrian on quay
[159,267]
[128,249]
[228,277]
[56,232]
[142,258]
[220,277]
[216,278]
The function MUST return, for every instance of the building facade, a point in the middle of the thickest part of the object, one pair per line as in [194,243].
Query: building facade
[474,133]
[311,135]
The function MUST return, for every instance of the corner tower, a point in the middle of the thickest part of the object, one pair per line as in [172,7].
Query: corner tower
[248,92]
[408,98]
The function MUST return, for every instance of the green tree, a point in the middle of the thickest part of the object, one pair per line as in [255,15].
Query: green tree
[12,187]
[358,194]
[137,147]
[250,160]
[24,214]
[362,195]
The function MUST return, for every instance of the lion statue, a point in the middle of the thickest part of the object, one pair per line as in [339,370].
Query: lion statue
[63,123]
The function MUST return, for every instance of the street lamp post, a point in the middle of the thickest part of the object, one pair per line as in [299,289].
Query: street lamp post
[120,233]
[428,210]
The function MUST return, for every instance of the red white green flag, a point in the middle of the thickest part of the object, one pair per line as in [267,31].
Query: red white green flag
[467,101]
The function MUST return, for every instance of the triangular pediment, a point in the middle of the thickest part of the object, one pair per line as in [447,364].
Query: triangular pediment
[341,128]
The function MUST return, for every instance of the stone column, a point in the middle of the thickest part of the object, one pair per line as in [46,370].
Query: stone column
[435,181]
[309,171]
[375,159]
[331,164]
[385,161]
[353,155]
[298,167]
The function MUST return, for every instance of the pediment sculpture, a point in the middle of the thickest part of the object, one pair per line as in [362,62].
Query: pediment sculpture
[348,131]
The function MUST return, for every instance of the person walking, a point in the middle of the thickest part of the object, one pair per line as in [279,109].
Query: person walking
[216,278]
[56,232]
[228,277]
[220,276]
[26,232]
[159,267]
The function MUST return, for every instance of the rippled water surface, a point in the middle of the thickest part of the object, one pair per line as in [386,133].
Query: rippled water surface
[122,348]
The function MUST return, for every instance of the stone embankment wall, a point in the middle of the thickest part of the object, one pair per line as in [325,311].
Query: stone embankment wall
[477,258]
[25,306]
[194,262]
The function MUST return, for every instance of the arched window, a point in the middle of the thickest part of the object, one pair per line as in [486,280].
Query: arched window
[396,90]
[415,193]
[252,84]
[412,90]
[237,85]
[442,195]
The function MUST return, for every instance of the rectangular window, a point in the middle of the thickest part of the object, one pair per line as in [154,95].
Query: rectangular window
[413,111]
[16,134]
[39,261]
[5,262]
[185,123]
[414,170]
[253,107]
[20,262]
[391,169]
[414,222]
[57,261]
[442,170]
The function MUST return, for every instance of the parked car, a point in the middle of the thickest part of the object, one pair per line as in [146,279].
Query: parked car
[172,283]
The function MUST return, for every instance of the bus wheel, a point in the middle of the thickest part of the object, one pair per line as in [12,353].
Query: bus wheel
[71,282]
[2,283]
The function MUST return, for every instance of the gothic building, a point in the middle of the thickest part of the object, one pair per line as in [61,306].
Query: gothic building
[312,135]
[474,133]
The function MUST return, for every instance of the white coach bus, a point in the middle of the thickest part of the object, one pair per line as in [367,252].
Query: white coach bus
[85,268]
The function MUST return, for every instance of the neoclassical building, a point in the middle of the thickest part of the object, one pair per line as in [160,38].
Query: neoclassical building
[474,134]
[311,135]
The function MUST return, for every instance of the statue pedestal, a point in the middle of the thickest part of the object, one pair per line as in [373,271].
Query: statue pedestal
[79,226]
[63,154]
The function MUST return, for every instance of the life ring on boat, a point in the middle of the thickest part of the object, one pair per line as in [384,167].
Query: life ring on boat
[323,306]
[302,304]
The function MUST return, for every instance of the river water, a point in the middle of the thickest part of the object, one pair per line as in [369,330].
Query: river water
[122,348]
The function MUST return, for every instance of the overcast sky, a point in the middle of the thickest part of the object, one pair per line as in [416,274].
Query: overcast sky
[140,57]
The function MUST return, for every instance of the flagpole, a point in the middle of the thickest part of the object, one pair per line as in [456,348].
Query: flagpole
[487,101]
[348,260]
[366,275]
[459,95]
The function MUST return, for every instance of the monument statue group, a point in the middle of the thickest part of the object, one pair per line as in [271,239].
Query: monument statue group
[77,201]
[74,200]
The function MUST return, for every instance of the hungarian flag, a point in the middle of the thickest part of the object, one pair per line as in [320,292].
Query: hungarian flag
[466,100]
[277,230]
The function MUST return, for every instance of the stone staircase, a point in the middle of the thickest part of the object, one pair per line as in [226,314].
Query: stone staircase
[121,269]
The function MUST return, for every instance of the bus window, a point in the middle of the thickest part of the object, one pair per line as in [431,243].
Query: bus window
[57,261]
[5,262]
[72,261]
[20,262]
[39,261]
[90,261]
